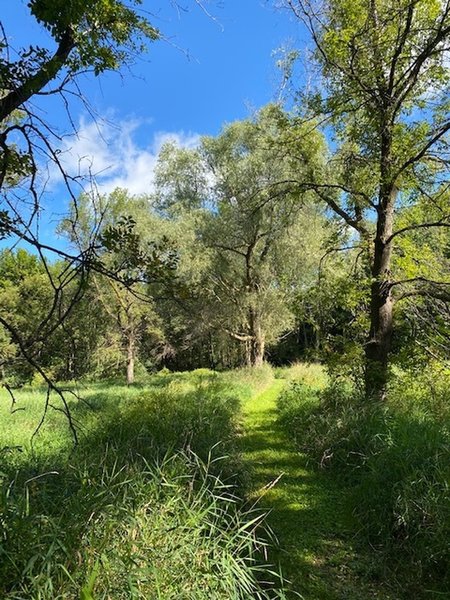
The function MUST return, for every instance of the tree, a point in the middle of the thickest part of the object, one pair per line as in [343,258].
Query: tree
[252,223]
[422,257]
[384,91]
[122,290]
[87,35]
[23,296]
[131,321]
[62,341]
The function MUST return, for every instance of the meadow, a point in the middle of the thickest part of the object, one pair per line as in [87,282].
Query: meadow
[255,483]
[144,507]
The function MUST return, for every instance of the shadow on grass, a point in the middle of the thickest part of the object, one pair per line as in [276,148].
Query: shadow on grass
[308,514]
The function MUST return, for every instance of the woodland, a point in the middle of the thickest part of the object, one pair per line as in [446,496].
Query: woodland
[236,385]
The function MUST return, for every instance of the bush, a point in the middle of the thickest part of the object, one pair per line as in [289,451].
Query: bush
[332,426]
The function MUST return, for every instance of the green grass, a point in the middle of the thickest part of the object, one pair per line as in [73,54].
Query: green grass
[109,402]
[308,515]
[390,467]
[143,508]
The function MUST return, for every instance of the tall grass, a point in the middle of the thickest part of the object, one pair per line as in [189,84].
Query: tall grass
[140,509]
[394,464]
[131,529]
[311,374]
[249,380]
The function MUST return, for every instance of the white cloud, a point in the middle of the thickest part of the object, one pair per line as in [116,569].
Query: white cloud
[108,152]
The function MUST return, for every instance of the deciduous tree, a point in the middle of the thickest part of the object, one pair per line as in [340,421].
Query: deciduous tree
[255,222]
[384,91]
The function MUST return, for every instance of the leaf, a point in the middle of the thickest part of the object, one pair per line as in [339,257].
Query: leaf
[87,591]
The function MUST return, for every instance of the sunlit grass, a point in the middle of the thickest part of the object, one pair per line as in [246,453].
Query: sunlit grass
[313,374]
[389,467]
[308,515]
[144,507]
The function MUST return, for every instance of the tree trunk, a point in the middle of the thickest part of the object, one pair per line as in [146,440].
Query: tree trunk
[257,342]
[130,360]
[248,353]
[212,357]
[379,343]
[257,351]
[381,301]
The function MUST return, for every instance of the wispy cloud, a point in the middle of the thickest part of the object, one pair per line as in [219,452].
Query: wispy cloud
[109,152]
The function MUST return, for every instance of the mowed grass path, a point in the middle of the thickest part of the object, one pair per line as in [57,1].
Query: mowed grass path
[306,511]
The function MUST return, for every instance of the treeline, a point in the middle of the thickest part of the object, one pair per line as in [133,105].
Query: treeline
[230,260]
[244,247]
[330,220]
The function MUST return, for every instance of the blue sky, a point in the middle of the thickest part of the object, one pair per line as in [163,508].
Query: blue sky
[206,72]
[222,68]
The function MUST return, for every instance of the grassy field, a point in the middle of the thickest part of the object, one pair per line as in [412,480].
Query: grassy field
[143,507]
[146,507]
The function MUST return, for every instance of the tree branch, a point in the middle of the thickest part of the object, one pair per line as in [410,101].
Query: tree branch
[440,223]
[34,84]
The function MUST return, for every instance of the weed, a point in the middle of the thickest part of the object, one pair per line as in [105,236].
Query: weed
[393,461]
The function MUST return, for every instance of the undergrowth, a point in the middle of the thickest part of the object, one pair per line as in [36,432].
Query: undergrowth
[394,465]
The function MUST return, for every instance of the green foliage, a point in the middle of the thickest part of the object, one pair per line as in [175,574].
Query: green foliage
[333,425]
[105,32]
[383,87]
[364,51]
[316,546]
[32,308]
[240,190]
[134,252]
[131,258]
[164,530]
[93,34]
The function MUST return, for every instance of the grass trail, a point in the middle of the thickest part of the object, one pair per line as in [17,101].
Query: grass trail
[307,512]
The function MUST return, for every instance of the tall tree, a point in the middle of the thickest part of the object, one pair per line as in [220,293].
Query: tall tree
[244,186]
[130,232]
[385,92]
[96,35]
[82,36]
[62,340]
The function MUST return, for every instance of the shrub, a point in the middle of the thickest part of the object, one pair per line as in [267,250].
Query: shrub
[332,426]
